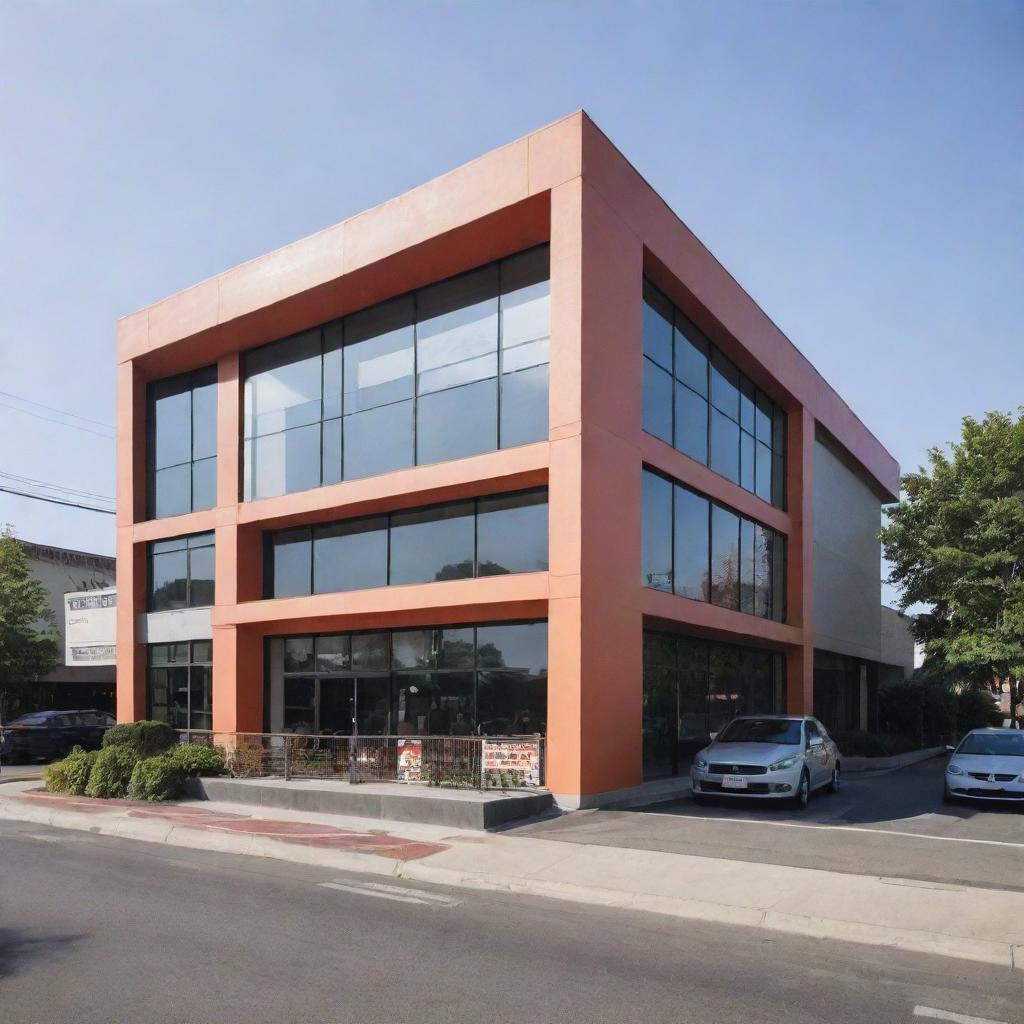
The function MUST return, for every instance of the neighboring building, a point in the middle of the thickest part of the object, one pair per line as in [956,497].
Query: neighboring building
[510,453]
[87,678]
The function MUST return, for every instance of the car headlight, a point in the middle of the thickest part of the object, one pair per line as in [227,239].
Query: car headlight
[786,762]
[700,763]
[955,769]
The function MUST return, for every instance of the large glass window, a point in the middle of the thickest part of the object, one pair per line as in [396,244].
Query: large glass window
[182,447]
[695,399]
[450,681]
[181,572]
[694,687]
[179,684]
[697,548]
[452,370]
[491,536]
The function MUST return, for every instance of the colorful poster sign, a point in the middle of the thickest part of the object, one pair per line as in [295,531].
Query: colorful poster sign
[521,757]
[410,760]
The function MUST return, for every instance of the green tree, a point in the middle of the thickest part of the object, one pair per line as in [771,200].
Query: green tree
[29,646]
[956,543]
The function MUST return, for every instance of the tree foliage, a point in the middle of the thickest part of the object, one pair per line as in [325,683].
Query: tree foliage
[29,646]
[956,543]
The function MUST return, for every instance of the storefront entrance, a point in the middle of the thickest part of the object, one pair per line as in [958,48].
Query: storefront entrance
[336,705]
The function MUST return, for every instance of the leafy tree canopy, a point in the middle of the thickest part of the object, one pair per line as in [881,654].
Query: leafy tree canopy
[956,543]
[27,651]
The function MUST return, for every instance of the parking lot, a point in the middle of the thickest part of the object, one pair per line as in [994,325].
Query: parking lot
[890,825]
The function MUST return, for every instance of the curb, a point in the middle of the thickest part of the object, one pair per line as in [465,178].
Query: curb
[883,765]
[998,953]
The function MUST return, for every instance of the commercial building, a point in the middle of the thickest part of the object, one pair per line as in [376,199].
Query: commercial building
[80,604]
[512,453]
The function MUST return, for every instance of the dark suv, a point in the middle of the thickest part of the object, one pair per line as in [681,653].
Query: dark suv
[51,734]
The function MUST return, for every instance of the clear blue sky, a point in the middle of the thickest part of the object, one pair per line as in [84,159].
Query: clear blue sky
[857,166]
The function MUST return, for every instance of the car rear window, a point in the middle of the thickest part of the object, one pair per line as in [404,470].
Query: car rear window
[29,720]
[761,730]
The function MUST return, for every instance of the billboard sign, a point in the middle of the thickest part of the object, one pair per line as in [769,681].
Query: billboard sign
[90,627]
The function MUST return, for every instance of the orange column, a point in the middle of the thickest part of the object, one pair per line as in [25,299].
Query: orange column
[237,653]
[800,560]
[131,557]
[595,624]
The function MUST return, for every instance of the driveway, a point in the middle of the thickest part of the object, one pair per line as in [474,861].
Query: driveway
[891,825]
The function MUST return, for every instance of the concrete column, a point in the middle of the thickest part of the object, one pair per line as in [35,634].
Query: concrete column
[595,625]
[237,680]
[800,560]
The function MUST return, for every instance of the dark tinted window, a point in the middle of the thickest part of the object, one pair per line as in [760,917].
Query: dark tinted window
[657,532]
[350,555]
[512,534]
[691,544]
[433,544]
[181,572]
[291,562]
[657,401]
[179,684]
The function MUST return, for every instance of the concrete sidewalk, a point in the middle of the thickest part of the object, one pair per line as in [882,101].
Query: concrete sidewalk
[966,922]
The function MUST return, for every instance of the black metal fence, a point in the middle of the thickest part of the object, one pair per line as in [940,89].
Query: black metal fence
[466,762]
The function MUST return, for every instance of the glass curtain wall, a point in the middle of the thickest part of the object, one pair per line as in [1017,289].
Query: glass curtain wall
[696,400]
[455,681]
[181,572]
[692,688]
[696,548]
[182,444]
[455,369]
[180,684]
[490,536]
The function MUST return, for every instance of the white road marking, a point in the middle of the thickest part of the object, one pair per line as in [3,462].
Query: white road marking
[392,892]
[837,828]
[959,1018]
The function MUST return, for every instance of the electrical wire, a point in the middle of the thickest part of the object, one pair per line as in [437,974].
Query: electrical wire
[60,423]
[54,487]
[62,412]
[56,501]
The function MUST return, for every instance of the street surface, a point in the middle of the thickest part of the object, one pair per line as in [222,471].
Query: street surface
[96,930]
[892,825]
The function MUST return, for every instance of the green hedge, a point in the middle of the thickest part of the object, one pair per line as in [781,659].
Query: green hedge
[975,710]
[197,759]
[146,738]
[111,772]
[72,774]
[156,778]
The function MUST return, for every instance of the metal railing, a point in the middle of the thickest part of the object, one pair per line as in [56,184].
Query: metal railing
[465,762]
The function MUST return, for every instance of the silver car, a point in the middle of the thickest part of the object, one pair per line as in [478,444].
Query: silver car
[987,765]
[769,757]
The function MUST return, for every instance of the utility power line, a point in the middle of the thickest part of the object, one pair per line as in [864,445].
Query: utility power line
[22,480]
[62,412]
[60,423]
[56,501]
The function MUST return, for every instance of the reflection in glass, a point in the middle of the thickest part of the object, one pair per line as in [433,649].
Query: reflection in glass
[657,327]
[512,533]
[432,544]
[725,446]
[378,440]
[524,406]
[350,555]
[657,401]
[291,562]
[725,557]
[691,424]
[457,423]
[656,533]
[691,544]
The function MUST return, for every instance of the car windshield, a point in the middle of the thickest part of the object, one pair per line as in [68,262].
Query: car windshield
[761,730]
[999,744]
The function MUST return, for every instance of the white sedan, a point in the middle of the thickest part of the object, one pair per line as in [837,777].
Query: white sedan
[987,765]
[769,757]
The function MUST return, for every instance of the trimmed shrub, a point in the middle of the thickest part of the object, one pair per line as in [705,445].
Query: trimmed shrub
[71,775]
[976,710]
[146,738]
[111,772]
[156,778]
[197,759]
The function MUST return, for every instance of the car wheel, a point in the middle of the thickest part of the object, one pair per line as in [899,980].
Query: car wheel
[833,786]
[803,791]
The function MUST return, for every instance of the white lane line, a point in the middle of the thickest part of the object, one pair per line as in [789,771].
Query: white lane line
[837,828]
[392,892]
[959,1018]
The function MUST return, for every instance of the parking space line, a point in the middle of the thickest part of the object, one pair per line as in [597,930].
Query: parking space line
[838,828]
[958,1018]
[391,892]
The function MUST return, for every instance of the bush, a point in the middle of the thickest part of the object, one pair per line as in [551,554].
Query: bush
[111,772]
[156,778]
[146,738]
[976,710]
[196,759]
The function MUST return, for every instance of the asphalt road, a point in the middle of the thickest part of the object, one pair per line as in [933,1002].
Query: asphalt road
[892,825]
[95,930]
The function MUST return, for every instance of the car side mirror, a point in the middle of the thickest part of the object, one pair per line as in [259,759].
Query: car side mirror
[713,735]
[815,741]
[950,748]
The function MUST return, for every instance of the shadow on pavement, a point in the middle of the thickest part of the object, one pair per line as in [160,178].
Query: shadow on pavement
[19,947]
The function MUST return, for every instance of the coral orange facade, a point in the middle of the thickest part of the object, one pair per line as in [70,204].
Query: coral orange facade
[565,185]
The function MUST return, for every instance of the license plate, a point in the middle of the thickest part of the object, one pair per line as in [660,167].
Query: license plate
[734,782]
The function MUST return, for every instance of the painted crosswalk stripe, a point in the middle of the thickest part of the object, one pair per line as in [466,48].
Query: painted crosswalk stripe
[392,892]
[957,1018]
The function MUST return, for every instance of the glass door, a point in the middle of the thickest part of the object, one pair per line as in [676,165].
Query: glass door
[336,705]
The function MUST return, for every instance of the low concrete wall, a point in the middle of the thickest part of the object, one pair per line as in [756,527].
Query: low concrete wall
[470,809]
[879,764]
